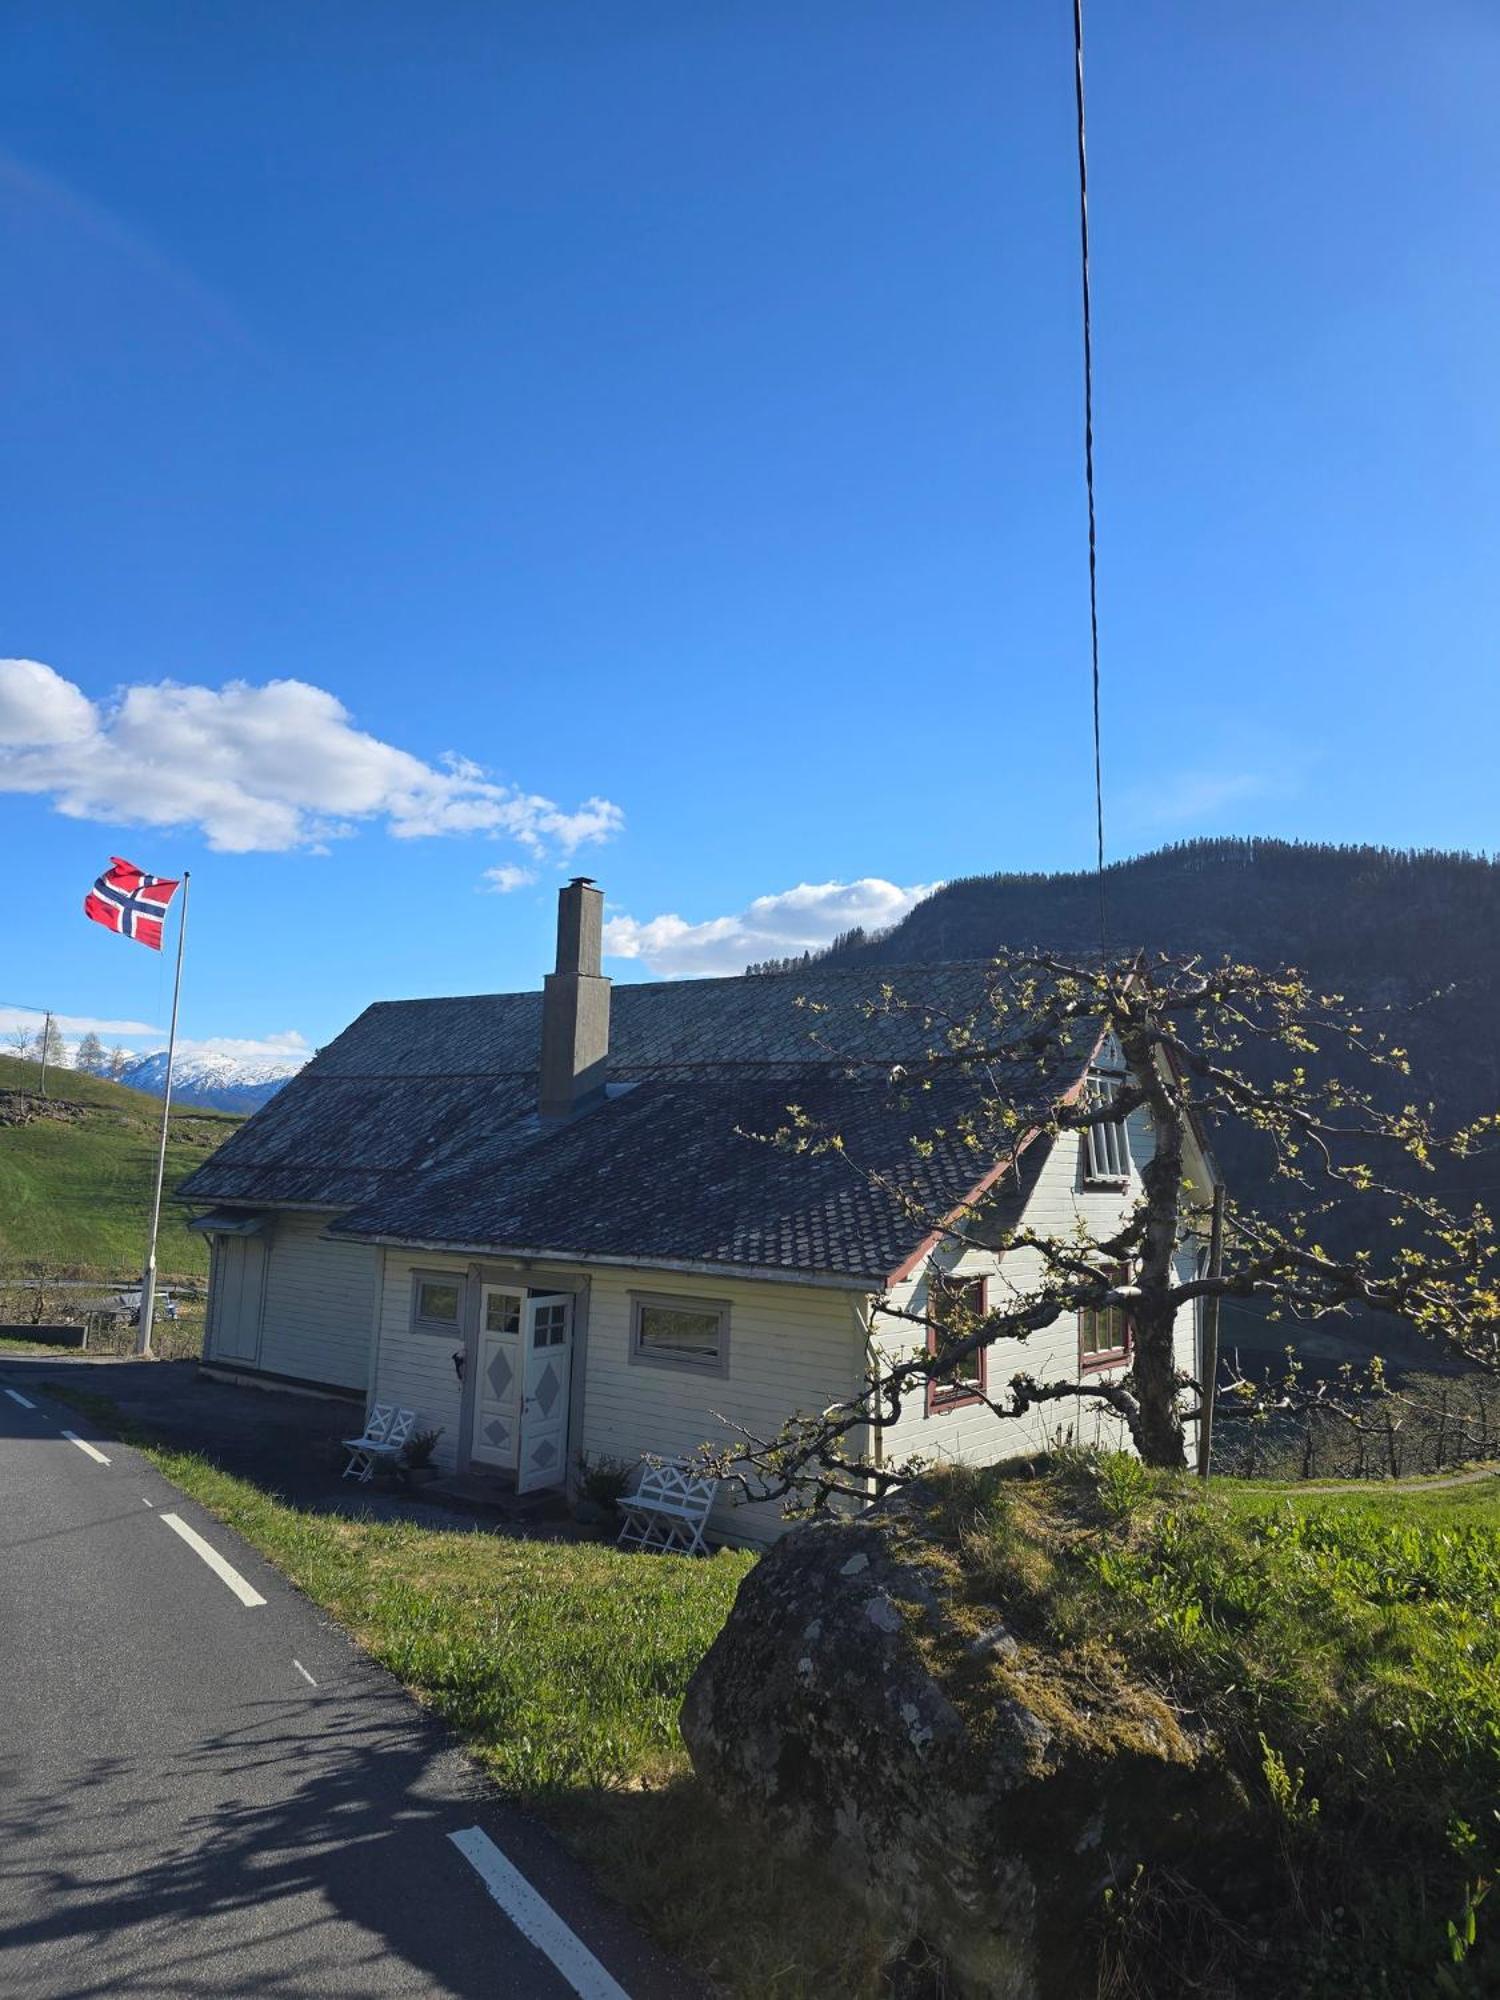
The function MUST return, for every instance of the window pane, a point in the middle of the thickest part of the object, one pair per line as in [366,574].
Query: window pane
[550,1327]
[1104,1332]
[438,1301]
[502,1312]
[1108,1150]
[955,1305]
[679,1330]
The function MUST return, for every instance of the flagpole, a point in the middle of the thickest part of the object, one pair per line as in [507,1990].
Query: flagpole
[148,1279]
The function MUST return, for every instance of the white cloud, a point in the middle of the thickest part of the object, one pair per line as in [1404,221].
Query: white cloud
[38,707]
[795,920]
[81,1024]
[289,1047]
[256,768]
[506,877]
[140,1038]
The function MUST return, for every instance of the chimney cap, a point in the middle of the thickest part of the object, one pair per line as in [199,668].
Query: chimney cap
[581,882]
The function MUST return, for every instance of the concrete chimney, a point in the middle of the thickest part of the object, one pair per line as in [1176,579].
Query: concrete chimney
[575,1004]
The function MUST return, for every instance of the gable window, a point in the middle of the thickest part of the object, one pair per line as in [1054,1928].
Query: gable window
[434,1303]
[1104,1333]
[953,1304]
[1106,1147]
[691,1334]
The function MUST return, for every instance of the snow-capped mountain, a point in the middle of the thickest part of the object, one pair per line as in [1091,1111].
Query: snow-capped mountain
[218,1082]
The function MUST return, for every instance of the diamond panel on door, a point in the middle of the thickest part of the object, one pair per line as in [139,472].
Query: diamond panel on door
[548,1389]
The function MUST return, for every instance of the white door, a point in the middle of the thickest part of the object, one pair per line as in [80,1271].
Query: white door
[495,1433]
[547,1331]
[239,1281]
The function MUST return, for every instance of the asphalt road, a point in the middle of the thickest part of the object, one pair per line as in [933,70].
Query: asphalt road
[204,1798]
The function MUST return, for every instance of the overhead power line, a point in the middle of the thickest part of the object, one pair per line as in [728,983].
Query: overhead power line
[1088,456]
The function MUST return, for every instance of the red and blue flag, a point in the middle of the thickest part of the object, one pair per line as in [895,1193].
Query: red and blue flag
[127,900]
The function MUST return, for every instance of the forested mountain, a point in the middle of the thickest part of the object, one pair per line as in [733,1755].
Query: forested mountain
[1386,927]
[1389,929]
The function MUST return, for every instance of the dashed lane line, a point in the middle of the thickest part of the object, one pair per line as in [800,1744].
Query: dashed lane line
[84,1445]
[535,1918]
[16,1397]
[225,1572]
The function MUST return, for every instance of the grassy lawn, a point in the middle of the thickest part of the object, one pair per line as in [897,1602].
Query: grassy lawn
[1343,1647]
[75,1188]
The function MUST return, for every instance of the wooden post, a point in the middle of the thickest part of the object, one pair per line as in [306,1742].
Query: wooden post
[148,1277]
[46,1046]
[1209,1360]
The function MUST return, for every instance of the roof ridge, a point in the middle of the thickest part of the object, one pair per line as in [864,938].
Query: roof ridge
[757,980]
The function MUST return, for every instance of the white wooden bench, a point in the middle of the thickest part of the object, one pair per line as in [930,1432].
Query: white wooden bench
[669,1508]
[383,1441]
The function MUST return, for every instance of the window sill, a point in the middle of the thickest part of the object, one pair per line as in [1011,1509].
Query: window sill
[941,1401]
[1097,1364]
[717,1366]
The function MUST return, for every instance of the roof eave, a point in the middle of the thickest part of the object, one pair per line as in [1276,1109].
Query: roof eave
[693,1266]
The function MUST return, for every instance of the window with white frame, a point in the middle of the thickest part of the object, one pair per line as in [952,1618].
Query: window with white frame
[1106,1145]
[434,1303]
[670,1332]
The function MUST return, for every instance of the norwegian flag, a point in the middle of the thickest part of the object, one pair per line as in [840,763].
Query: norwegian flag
[127,900]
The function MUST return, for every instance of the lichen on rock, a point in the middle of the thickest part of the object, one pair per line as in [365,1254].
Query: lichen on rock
[978,1787]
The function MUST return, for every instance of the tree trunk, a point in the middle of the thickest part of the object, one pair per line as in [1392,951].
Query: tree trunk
[1158,1430]
[1158,1427]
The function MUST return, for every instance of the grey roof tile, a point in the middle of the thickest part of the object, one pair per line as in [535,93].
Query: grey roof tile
[420,1121]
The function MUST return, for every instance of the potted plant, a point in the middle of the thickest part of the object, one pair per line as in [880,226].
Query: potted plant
[415,1467]
[601,1481]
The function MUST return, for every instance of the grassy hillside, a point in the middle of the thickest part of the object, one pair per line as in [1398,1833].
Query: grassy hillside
[76,1173]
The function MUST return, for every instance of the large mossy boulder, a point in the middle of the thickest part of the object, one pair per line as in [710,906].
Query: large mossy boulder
[981,1787]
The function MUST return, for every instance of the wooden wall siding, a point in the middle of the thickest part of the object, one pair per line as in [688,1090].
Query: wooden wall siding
[415,1370]
[970,1432]
[790,1348]
[319,1301]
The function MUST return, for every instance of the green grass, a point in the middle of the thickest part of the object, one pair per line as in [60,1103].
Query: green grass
[562,1665]
[75,1191]
[1343,1648]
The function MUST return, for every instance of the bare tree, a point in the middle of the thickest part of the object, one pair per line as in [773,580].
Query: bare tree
[89,1055]
[117,1063]
[48,1044]
[21,1040]
[1010,1074]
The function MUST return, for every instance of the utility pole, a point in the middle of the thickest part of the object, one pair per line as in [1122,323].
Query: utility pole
[148,1279]
[46,1047]
[1209,1360]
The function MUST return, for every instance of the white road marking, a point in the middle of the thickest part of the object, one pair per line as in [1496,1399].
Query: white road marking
[304,1673]
[16,1397]
[84,1445]
[535,1918]
[225,1572]
[147,1503]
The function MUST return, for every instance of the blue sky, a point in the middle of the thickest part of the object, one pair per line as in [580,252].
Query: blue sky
[657,428]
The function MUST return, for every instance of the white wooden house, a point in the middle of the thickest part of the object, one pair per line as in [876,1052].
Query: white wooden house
[544,1221]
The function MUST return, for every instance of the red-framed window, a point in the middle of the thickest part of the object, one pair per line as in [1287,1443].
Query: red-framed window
[1105,1334]
[952,1306]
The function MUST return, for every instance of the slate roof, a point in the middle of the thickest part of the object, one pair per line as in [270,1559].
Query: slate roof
[419,1124]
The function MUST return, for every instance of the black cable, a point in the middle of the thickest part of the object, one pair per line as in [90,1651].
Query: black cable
[1088,453]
